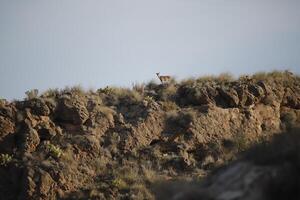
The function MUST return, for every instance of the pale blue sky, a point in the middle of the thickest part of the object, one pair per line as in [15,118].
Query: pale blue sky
[56,43]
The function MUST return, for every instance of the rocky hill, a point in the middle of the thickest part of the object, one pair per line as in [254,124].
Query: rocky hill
[117,143]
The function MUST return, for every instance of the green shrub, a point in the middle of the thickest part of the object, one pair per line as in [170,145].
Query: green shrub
[54,151]
[5,159]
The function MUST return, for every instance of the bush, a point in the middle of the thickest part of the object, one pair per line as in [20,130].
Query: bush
[240,142]
[169,105]
[31,94]
[182,119]
[283,78]
[51,93]
[114,96]
[5,159]
[140,88]
[289,119]
[54,151]
[75,90]
[149,99]
[107,90]
[166,92]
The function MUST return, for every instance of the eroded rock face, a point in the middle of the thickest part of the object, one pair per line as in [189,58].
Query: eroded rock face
[71,110]
[28,138]
[37,185]
[237,94]
[47,129]
[7,128]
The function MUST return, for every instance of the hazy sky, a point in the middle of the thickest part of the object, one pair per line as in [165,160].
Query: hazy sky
[54,43]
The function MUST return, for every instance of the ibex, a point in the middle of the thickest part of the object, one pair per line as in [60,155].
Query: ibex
[163,79]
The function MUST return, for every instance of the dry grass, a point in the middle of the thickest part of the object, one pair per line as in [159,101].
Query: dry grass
[284,78]
[169,106]
[75,90]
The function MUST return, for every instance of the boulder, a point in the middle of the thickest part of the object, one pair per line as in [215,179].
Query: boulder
[7,110]
[7,128]
[71,110]
[27,137]
[291,99]
[46,185]
[46,129]
[230,96]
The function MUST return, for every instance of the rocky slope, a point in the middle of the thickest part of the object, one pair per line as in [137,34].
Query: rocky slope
[121,144]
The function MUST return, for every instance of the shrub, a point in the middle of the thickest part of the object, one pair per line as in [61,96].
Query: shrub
[107,90]
[166,92]
[284,78]
[152,85]
[5,159]
[222,79]
[182,118]
[149,99]
[140,88]
[169,105]
[289,119]
[54,151]
[120,184]
[75,90]
[115,96]
[240,142]
[31,94]
[51,93]
[107,112]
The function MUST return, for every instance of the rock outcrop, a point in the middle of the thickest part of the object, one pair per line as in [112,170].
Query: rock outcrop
[117,143]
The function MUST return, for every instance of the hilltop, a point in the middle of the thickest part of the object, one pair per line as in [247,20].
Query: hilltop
[118,143]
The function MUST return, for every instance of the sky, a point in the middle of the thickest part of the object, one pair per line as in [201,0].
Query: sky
[94,43]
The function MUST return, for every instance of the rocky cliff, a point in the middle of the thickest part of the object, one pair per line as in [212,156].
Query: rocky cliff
[117,143]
